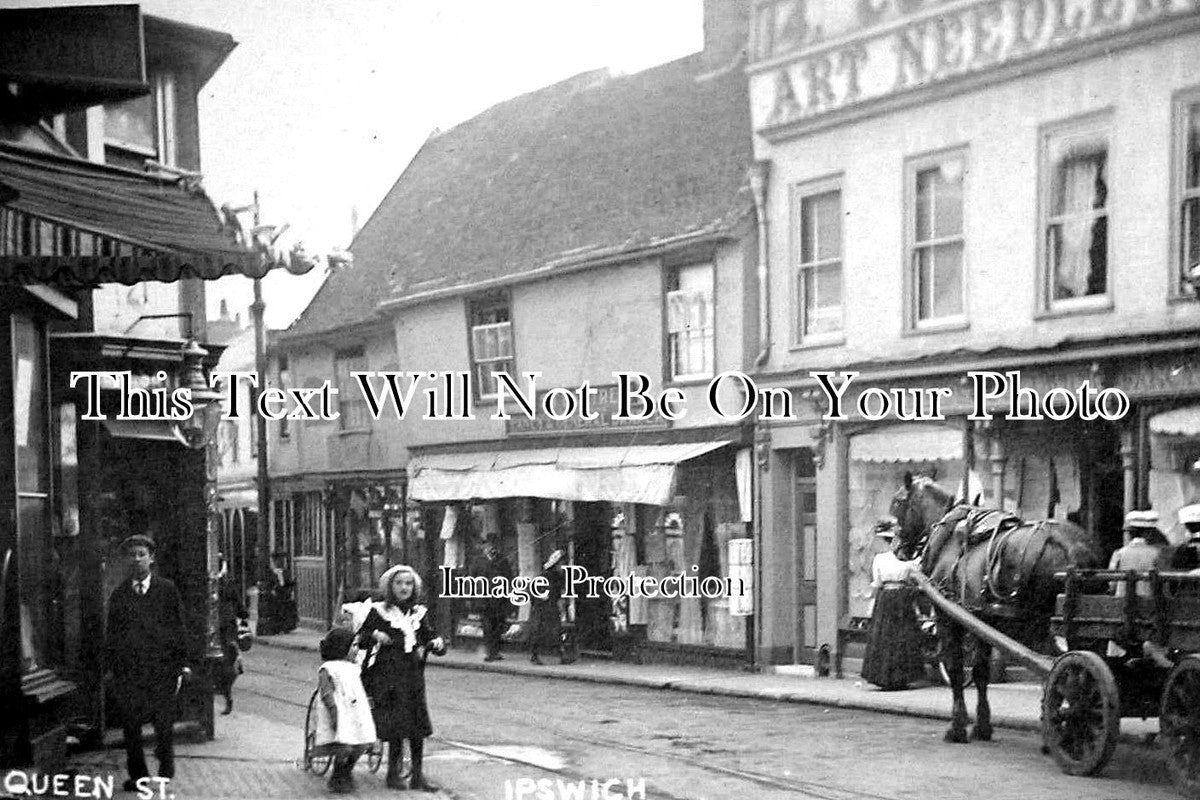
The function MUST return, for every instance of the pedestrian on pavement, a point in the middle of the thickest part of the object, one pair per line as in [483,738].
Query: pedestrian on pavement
[495,609]
[145,658]
[545,629]
[893,657]
[345,727]
[400,629]
[232,629]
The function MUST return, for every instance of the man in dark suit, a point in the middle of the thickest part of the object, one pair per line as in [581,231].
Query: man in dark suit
[145,653]
[495,609]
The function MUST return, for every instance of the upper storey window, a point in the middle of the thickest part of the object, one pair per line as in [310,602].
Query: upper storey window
[1075,181]
[491,341]
[936,241]
[690,330]
[143,128]
[1188,189]
[817,232]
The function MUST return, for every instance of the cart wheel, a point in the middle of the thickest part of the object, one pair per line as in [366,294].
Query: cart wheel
[1081,713]
[375,756]
[313,763]
[1179,724]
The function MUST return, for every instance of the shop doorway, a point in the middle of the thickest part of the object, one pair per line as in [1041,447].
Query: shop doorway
[593,552]
[804,529]
[1103,484]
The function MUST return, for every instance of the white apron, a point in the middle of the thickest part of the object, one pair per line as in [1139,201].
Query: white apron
[354,722]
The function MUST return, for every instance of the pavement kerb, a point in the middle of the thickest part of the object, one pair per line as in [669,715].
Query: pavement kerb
[1000,718]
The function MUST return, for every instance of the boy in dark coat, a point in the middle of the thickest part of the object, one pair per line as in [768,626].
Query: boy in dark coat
[145,655]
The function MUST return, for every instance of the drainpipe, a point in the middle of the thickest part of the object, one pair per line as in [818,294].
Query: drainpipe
[759,171]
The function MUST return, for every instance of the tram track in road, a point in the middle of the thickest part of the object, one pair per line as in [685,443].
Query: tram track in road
[809,789]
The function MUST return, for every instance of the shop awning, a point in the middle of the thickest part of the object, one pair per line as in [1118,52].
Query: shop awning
[1177,422]
[148,429]
[637,474]
[72,222]
[904,443]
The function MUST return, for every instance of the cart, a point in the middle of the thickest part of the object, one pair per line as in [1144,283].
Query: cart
[1136,655]
[319,761]
[1157,632]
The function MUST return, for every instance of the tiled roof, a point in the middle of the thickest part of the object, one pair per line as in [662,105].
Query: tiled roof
[594,164]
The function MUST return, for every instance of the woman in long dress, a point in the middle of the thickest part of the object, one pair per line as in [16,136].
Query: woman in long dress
[399,629]
[893,658]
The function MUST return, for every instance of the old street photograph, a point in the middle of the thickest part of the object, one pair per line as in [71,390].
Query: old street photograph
[600,399]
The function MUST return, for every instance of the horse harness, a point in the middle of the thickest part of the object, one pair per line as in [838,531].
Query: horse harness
[970,526]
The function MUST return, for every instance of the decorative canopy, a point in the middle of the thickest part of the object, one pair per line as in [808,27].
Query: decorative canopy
[70,222]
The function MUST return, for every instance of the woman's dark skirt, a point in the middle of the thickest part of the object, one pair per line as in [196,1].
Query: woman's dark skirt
[396,687]
[893,659]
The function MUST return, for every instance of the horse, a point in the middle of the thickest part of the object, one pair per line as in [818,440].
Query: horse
[994,565]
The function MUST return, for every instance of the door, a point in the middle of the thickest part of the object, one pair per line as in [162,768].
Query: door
[804,527]
[593,552]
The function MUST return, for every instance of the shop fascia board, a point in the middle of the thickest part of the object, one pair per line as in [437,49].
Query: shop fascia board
[866,375]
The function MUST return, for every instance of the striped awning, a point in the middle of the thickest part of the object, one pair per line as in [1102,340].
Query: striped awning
[69,222]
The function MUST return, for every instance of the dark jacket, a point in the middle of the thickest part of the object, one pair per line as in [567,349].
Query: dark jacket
[145,643]
[491,568]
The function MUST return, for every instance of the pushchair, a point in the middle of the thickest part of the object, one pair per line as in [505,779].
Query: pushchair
[316,759]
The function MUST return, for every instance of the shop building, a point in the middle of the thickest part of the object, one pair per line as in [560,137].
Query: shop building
[337,485]
[959,187]
[103,227]
[603,224]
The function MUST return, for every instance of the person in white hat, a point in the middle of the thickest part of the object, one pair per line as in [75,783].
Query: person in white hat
[1187,555]
[1146,548]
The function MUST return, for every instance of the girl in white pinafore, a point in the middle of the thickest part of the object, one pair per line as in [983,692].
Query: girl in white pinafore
[345,728]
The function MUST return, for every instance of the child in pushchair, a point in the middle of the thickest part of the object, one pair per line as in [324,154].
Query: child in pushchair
[341,728]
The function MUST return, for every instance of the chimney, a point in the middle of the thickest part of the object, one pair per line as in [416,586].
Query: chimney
[726,31]
[224,310]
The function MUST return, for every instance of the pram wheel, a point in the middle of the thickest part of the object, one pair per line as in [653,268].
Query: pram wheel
[313,762]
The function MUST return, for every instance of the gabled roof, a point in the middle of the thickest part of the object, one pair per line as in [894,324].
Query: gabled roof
[592,166]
